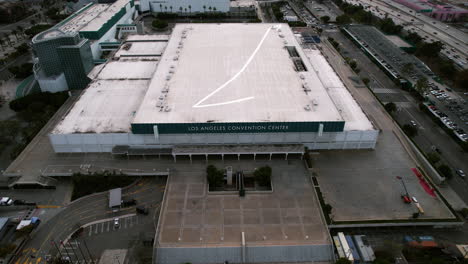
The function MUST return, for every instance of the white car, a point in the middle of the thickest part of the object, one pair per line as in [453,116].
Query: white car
[6,201]
[116,223]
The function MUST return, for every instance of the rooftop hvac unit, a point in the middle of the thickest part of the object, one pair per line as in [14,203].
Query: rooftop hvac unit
[314,102]
[281,35]
[307,108]
[301,76]
[168,77]
[285,42]
[159,104]
[167,109]
[176,58]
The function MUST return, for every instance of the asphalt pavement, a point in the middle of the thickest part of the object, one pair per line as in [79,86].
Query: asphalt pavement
[148,192]
[429,133]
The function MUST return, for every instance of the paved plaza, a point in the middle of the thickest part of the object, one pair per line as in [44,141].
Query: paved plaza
[362,185]
[288,215]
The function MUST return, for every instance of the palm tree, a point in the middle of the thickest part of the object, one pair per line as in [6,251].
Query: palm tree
[204,8]
[209,8]
[160,6]
[170,8]
[190,9]
[214,9]
[185,10]
[180,9]
[165,8]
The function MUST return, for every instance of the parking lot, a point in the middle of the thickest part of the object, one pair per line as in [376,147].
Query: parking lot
[451,108]
[365,186]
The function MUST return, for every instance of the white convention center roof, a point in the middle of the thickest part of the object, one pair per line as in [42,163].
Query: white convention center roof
[234,73]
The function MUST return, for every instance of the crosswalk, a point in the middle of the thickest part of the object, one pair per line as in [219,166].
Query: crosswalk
[75,253]
[109,226]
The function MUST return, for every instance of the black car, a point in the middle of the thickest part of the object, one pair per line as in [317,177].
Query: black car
[142,210]
[129,202]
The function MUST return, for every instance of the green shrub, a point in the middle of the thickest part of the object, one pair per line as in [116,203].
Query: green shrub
[262,175]
[214,176]
[445,170]
[21,71]
[34,30]
[85,184]
[159,24]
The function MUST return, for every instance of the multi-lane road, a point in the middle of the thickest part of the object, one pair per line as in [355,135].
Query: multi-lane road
[431,29]
[94,208]
[429,133]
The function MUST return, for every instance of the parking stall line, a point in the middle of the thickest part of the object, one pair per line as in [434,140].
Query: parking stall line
[90,230]
[102,227]
[126,220]
[108,226]
[96,231]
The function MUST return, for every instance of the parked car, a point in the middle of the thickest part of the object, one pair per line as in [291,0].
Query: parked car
[460,173]
[129,202]
[116,223]
[5,201]
[142,210]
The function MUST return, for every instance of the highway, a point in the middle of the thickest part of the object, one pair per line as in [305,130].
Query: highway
[426,27]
